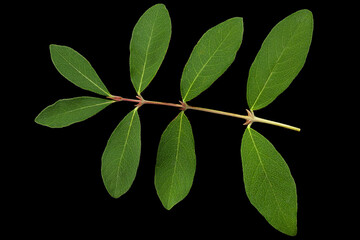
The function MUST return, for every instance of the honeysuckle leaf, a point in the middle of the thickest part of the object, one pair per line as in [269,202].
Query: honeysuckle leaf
[75,68]
[121,157]
[211,56]
[72,110]
[280,59]
[176,162]
[268,182]
[149,43]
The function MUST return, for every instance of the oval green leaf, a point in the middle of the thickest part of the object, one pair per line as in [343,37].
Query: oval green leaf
[68,111]
[121,157]
[211,56]
[280,59]
[268,182]
[75,68]
[176,162]
[149,43]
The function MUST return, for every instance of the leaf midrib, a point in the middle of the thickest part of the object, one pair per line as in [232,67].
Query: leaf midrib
[202,68]
[86,77]
[266,176]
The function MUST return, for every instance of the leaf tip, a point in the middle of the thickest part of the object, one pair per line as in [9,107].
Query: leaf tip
[306,12]
[53,46]
[305,15]
[238,19]
[293,232]
[160,5]
[39,119]
[36,120]
[168,206]
[169,203]
[115,194]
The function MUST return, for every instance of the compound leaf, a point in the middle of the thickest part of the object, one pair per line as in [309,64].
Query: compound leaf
[176,162]
[280,59]
[149,43]
[68,111]
[75,68]
[211,56]
[268,182]
[121,157]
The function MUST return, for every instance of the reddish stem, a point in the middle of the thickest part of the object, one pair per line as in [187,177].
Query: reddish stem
[250,118]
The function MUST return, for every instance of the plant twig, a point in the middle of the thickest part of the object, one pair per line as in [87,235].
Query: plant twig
[250,118]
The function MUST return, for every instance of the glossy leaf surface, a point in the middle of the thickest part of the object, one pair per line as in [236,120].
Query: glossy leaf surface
[211,56]
[280,59]
[149,43]
[176,162]
[75,68]
[268,182]
[68,111]
[121,157]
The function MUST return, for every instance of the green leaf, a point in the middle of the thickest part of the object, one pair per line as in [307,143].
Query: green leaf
[268,182]
[280,59]
[211,56]
[77,69]
[121,157]
[176,162]
[68,111]
[149,43]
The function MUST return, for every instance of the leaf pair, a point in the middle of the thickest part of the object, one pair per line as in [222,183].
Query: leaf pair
[176,160]
[267,178]
[149,43]
[75,68]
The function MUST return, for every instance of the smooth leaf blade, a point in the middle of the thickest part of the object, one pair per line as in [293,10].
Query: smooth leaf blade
[121,156]
[280,59]
[148,46]
[268,182]
[176,162]
[75,68]
[68,111]
[211,56]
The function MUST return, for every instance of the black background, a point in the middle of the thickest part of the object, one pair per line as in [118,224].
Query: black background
[58,185]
